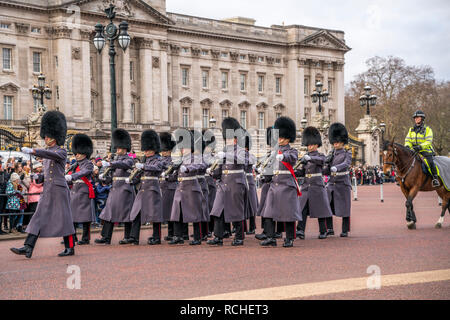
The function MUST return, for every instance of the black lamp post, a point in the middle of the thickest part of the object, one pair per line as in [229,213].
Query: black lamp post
[41,90]
[320,95]
[368,100]
[112,34]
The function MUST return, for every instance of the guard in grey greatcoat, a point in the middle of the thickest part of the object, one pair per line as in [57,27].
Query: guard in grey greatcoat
[168,181]
[53,217]
[121,196]
[282,204]
[232,188]
[339,187]
[208,157]
[82,194]
[252,198]
[314,200]
[147,206]
[188,202]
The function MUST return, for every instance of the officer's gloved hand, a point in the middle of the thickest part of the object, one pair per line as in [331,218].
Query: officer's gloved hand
[127,180]
[208,171]
[417,148]
[333,169]
[280,157]
[307,157]
[68,177]
[27,150]
[183,169]
[139,166]
[106,164]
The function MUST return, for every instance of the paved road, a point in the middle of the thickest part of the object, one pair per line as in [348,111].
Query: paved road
[413,264]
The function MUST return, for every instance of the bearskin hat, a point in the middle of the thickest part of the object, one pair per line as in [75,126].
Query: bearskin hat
[338,133]
[122,139]
[229,124]
[150,141]
[167,144]
[311,136]
[82,144]
[54,125]
[286,127]
[209,139]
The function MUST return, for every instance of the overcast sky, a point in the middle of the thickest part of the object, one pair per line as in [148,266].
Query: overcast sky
[416,30]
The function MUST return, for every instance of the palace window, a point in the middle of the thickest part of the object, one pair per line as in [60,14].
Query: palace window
[278,115]
[260,83]
[204,52]
[36,30]
[243,81]
[7,55]
[278,85]
[330,87]
[261,124]
[185,50]
[244,119]
[37,62]
[242,57]
[185,77]
[185,117]
[224,80]
[8,107]
[205,79]
[5,25]
[225,114]
[260,59]
[224,55]
[205,118]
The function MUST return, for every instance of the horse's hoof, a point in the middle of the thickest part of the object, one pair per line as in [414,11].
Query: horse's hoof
[412,225]
[438,226]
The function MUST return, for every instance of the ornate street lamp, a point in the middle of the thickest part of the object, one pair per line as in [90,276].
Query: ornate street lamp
[383,130]
[41,90]
[319,95]
[112,34]
[368,100]
[212,122]
[303,123]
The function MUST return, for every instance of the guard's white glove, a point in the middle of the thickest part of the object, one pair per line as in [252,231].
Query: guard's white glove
[258,170]
[208,171]
[333,169]
[139,166]
[27,150]
[221,154]
[183,169]
[279,157]
[127,180]
[68,177]
[306,157]
[163,175]
[106,164]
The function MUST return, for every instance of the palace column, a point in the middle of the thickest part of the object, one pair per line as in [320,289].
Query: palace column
[164,112]
[106,87]
[146,79]
[340,92]
[86,74]
[126,88]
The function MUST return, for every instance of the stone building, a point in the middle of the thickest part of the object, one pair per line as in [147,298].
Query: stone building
[179,71]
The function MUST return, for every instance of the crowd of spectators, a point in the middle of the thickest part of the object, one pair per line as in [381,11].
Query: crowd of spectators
[370,175]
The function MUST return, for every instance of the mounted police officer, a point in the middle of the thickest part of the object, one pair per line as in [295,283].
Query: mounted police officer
[420,139]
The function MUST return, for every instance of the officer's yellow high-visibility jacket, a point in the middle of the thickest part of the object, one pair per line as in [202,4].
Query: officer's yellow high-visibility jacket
[423,138]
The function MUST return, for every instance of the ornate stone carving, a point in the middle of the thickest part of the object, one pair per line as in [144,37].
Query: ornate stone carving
[76,53]
[22,27]
[279,107]
[270,60]
[144,43]
[186,101]
[261,106]
[87,34]
[226,103]
[164,45]
[234,55]
[196,51]
[252,57]
[339,65]
[206,103]
[155,62]
[59,32]
[215,53]
[123,7]
[9,87]
[244,104]
[174,49]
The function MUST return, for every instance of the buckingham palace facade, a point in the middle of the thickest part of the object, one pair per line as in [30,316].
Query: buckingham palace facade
[179,70]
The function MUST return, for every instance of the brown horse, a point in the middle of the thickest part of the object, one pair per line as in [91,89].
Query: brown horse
[412,179]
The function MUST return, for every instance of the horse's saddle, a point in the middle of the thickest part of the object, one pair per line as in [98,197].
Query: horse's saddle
[442,168]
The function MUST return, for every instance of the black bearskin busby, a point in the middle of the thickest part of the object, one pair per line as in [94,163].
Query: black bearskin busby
[122,139]
[311,136]
[286,127]
[82,144]
[54,125]
[167,144]
[208,139]
[150,141]
[338,133]
[230,124]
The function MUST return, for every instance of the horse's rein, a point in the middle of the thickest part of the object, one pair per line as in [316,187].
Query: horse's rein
[413,162]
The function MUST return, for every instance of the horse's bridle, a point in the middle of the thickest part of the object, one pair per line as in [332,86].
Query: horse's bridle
[413,162]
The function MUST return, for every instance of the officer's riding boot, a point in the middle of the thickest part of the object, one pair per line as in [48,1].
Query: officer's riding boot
[435,183]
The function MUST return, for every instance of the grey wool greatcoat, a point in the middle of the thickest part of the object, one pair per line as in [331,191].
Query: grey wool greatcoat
[53,217]
[148,200]
[201,171]
[339,187]
[313,189]
[232,188]
[267,174]
[209,159]
[252,198]
[188,200]
[121,196]
[82,207]
[168,186]
[282,202]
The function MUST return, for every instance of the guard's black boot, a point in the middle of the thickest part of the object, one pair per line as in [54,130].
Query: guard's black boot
[269,242]
[176,240]
[102,241]
[67,252]
[168,238]
[195,243]
[323,236]
[126,241]
[237,242]
[288,243]
[300,234]
[83,242]
[261,236]
[215,242]
[330,232]
[344,234]
[278,235]
[26,251]
[154,241]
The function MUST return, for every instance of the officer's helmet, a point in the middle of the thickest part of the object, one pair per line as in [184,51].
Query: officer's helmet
[419,113]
